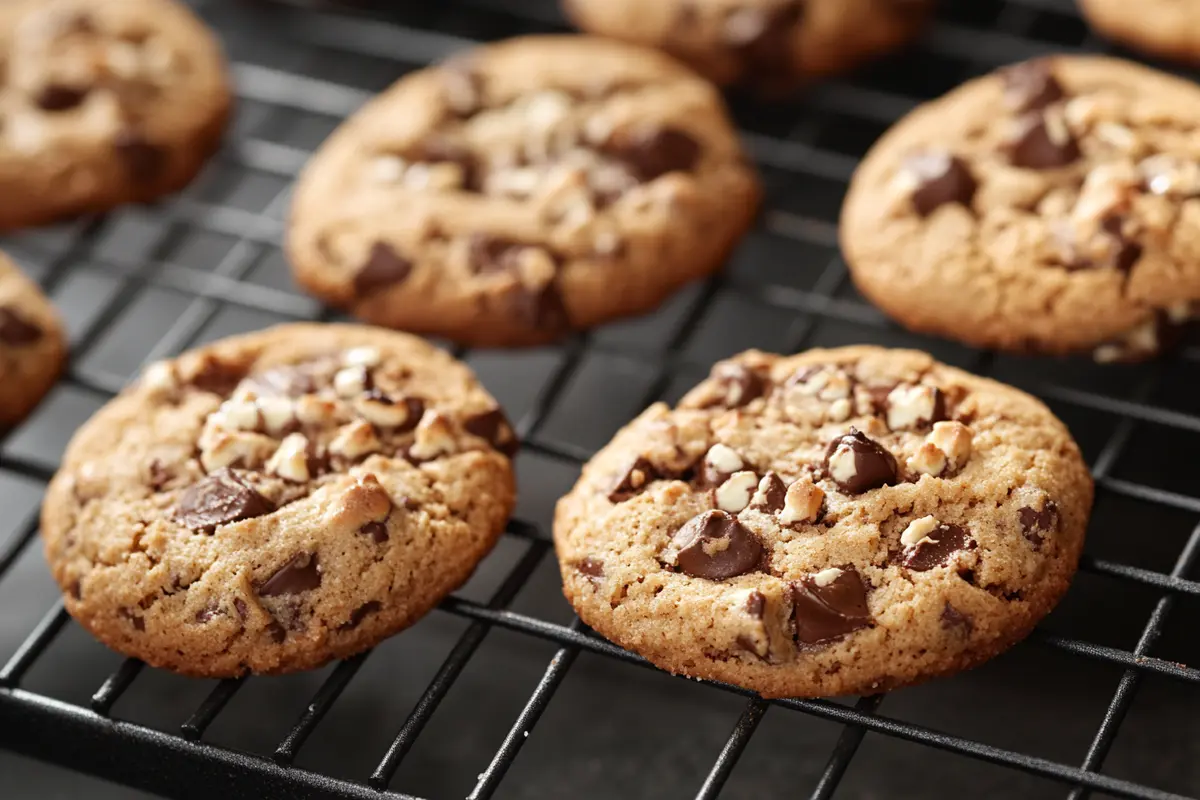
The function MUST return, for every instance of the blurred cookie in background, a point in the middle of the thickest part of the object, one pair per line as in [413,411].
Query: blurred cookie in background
[33,346]
[1167,28]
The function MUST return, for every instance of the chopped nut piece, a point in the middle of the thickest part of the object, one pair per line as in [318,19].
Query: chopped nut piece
[928,460]
[230,449]
[953,439]
[914,407]
[277,413]
[827,576]
[362,357]
[802,503]
[434,436]
[315,411]
[160,377]
[917,530]
[350,381]
[239,416]
[290,461]
[355,440]
[734,494]
[723,458]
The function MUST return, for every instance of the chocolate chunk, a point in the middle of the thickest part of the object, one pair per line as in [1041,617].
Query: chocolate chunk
[756,603]
[650,152]
[134,619]
[217,377]
[739,384]
[359,614]
[440,150]
[158,475]
[15,330]
[639,474]
[76,589]
[1125,252]
[941,178]
[825,612]
[287,381]
[493,426]
[770,497]
[383,267]
[143,160]
[207,613]
[592,567]
[277,632]
[953,618]
[376,530]
[937,547]
[716,546]
[858,464]
[1034,524]
[541,308]
[60,96]
[1031,86]
[239,605]
[1041,141]
[218,499]
[763,39]
[301,574]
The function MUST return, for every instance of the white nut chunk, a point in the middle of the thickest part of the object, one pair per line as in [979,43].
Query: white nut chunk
[802,503]
[734,494]
[723,458]
[230,449]
[434,437]
[928,460]
[290,461]
[314,411]
[239,415]
[382,411]
[827,576]
[355,440]
[953,439]
[918,530]
[350,381]
[160,377]
[277,413]
[913,406]
[362,357]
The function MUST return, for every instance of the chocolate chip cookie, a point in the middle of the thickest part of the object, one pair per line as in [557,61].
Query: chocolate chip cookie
[1053,206]
[103,102]
[521,191]
[1169,28]
[279,499]
[33,347]
[839,522]
[769,45]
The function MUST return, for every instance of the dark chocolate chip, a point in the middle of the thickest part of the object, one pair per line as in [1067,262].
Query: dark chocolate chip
[383,267]
[1031,86]
[739,384]
[823,613]
[286,381]
[240,606]
[1035,524]
[487,253]
[941,178]
[376,530]
[60,96]
[763,39]
[872,465]
[771,500]
[218,499]
[76,589]
[541,308]
[592,567]
[936,549]
[301,574]
[716,546]
[207,613]
[143,160]
[277,632]
[217,377]
[1041,142]
[650,152]
[437,149]
[158,474]
[492,425]
[359,614]
[756,603]
[1125,252]
[632,480]
[15,330]
[953,618]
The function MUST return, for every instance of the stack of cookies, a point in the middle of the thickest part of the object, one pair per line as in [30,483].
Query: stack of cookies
[838,521]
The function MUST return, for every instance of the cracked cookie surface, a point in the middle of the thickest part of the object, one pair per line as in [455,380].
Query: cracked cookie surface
[523,190]
[1169,28]
[1052,206]
[272,501]
[842,521]
[33,346]
[103,102]
[770,45]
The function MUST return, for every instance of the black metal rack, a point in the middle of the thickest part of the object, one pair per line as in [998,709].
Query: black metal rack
[144,283]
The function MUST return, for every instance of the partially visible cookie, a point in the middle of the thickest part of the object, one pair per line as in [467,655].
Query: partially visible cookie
[103,102]
[1169,28]
[33,347]
[769,45]
[275,500]
[839,522]
[1051,206]
[524,190]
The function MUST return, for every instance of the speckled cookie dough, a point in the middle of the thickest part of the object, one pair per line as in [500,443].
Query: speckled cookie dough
[1052,206]
[33,346]
[839,522]
[276,500]
[103,102]
[521,191]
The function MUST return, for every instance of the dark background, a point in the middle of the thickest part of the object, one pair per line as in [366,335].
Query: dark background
[148,282]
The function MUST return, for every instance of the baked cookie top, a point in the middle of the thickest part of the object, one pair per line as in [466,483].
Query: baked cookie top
[1050,206]
[278,499]
[765,44]
[33,346]
[521,190]
[102,102]
[842,521]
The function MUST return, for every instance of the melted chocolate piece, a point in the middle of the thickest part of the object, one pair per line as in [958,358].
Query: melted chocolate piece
[489,253]
[824,613]
[217,377]
[218,499]
[756,603]
[773,498]
[143,160]
[376,530]
[60,96]
[872,466]
[493,426]
[239,605]
[540,308]
[158,475]
[941,178]
[1125,251]
[359,614]
[651,152]
[637,476]
[954,619]
[592,567]
[383,267]
[1035,524]
[207,613]
[1031,86]
[936,549]
[714,545]
[740,384]
[1039,143]
[301,574]
[15,330]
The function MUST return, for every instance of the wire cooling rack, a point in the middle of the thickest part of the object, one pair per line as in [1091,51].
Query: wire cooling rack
[501,692]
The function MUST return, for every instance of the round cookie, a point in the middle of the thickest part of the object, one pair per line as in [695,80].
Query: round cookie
[526,189]
[768,45]
[276,500]
[33,347]
[103,102]
[839,522]
[1169,28]
[1051,206]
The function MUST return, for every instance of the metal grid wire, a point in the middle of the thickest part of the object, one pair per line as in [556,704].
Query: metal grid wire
[786,290]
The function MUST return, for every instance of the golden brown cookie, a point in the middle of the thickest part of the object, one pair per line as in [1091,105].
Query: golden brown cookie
[524,190]
[838,522]
[1169,28]
[275,500]
[33,346]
